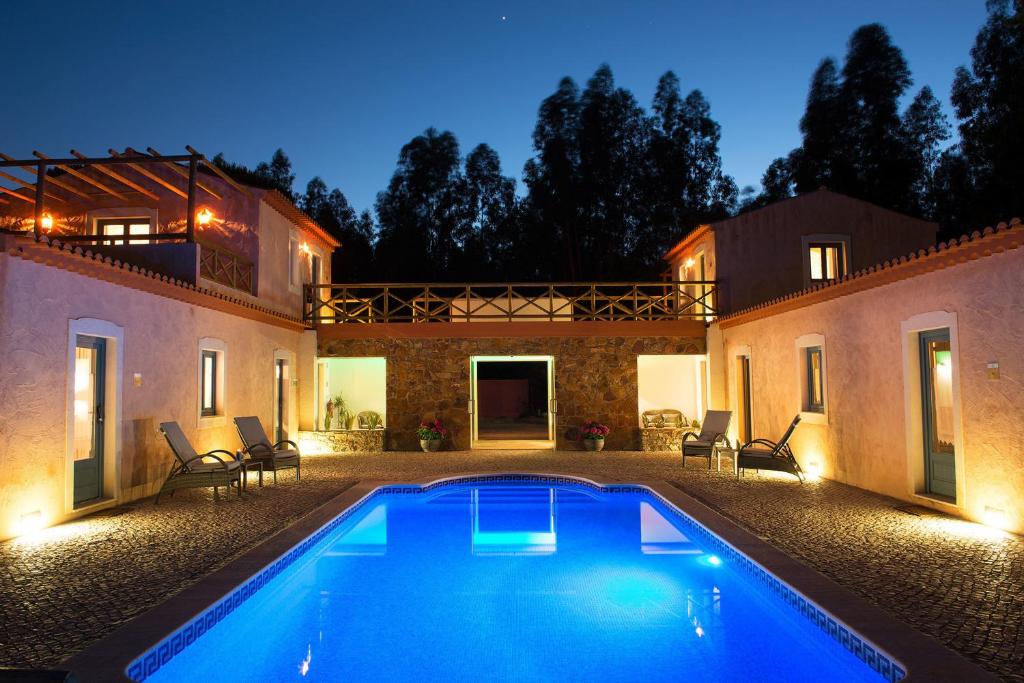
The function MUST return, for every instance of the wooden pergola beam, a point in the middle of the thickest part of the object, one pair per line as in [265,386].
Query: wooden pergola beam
[25,183]
[83,177]
[182,172]
[138,168]
[223,176]
[56,181]
[19,196]
[120,178]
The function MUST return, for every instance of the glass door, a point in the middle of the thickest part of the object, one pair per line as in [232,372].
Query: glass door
[87,434]
[937,413]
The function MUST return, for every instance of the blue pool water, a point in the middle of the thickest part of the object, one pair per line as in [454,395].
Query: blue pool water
[517,582]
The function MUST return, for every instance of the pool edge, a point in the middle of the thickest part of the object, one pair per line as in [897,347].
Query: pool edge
[923,658]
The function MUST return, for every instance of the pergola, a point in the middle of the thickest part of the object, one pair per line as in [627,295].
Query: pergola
[110,175]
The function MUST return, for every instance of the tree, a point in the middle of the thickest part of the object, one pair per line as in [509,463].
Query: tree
[686,185]
[776,183]
[924,129]
[493,214]
[353,262]
[820,159]
[422,215]
[552,178]
[989,102]
[277,175]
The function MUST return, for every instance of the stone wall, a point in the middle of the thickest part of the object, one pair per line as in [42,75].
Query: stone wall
[341,441]
[595,379]
[658,439]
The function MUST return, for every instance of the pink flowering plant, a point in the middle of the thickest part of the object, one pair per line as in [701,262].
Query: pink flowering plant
[432,431]
[594,430]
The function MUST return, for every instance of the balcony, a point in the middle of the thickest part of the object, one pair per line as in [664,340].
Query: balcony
[519,302]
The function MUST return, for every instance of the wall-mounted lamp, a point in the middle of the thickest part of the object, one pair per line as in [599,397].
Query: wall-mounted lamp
[47,222]
[689,262]
[304,248]
[204,217]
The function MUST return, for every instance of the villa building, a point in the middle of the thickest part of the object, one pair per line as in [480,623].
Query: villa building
[158,290]
[138,289]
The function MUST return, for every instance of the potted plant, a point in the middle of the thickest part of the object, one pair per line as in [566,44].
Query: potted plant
[592,434]
[328,415]
[431,434]
[341,410]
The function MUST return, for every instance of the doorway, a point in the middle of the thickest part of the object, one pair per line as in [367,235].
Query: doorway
[937,413]
[281,384]
[89,414]
[512,401]
[744,402]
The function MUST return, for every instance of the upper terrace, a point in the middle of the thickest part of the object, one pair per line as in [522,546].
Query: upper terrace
[366,310]
[178,216]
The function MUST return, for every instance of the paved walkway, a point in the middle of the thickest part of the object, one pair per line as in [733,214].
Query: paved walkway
[952,580]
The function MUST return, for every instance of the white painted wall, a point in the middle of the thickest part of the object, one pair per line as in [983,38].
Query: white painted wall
[670,381]
[362,382]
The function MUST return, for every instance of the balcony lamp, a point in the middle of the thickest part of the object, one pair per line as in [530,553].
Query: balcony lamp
[689,263]
[47,222]
[204,217]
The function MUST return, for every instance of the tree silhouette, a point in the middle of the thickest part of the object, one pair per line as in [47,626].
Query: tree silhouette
[979,182]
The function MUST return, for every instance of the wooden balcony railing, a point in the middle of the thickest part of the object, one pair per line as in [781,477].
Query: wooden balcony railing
[225,268]
[553,302]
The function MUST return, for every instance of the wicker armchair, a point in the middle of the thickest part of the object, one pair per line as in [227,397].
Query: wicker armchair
[259,448]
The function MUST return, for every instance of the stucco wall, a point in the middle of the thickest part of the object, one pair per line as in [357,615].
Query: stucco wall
[274,287]
[865,442]
[595,379]
[160,341]
[758,256]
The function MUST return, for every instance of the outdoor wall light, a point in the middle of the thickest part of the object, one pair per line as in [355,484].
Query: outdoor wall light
[994,517]
[204,217]
[47,222]
[29,522]
[690,262]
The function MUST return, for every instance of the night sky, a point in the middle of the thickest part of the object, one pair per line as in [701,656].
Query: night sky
[341,86]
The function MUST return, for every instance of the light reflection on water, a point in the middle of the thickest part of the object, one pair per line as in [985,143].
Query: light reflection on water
[513,582]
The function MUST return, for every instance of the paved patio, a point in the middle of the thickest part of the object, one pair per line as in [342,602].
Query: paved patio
[955,581]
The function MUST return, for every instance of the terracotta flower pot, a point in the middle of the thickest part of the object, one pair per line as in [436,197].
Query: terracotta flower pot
[593,444]
[430,445]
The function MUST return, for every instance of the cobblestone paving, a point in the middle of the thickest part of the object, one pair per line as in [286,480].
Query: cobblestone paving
[957,582]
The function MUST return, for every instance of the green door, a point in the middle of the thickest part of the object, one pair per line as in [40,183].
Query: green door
[937,413]
[89,375]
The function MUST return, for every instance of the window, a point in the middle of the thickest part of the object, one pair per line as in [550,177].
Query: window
[123,226]
[827,261]
[814,376]
[212,382]
[208,388]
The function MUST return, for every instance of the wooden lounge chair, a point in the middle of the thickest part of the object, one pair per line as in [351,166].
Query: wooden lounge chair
[712,435]
[259,448]
[762,454]
[192,470]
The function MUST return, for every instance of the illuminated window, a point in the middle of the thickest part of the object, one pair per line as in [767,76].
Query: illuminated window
[814,375]
[208,391]
[124,226]
[827,261]
[212,382]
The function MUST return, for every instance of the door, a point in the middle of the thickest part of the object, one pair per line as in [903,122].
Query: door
[743,398]
[512,402]
[280,399]
[89,377]
[937,413]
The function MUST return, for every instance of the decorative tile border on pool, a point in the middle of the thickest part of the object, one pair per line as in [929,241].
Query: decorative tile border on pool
[150,662]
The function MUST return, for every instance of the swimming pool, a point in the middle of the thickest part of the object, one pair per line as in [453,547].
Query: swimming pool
[536,578]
